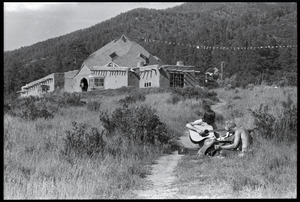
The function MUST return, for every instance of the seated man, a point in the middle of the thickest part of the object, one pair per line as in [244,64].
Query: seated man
[241,140]
[208,119]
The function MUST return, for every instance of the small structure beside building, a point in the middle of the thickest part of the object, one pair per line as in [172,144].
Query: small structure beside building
[121,62]
[50,83]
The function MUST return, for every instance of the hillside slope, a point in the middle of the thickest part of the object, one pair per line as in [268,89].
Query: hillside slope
[210,24]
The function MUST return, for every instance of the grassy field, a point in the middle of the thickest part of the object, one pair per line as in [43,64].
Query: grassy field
[269,171]
[36,165]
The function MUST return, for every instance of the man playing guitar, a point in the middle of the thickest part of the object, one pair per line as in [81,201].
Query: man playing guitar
[203,132]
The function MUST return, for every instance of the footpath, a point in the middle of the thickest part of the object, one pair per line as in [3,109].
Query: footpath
[160,182]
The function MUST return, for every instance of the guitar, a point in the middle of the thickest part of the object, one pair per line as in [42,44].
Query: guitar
[208,132]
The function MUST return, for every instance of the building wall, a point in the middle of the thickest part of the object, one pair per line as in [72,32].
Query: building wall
[190,76]
[142,77]
[59,81]
[69,85]
[85,72]
[164,78]
[34,88]
[189,79]
[133,79]
[149,77]
[116,79]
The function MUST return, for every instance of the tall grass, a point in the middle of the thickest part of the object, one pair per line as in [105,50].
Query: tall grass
[37,166]
[75,154]
[270,169]
[40,161]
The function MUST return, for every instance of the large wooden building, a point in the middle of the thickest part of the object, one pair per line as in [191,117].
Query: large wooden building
[121,62]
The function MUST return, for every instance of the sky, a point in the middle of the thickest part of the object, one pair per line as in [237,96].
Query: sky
[28,23]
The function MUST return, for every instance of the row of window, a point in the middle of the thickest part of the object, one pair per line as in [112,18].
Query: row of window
[176,80]
[98,82]
[148,84]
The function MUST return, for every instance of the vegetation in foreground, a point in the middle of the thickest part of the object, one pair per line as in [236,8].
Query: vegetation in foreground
[270,170]
[86,146]
[82,151]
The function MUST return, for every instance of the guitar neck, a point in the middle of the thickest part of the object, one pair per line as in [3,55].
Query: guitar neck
[216,130]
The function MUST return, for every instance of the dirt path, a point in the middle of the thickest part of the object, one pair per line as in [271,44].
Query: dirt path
[160,182]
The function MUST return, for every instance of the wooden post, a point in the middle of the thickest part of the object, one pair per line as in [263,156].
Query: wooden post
[222,65]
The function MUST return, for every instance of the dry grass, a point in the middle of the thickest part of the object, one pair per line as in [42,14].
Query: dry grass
[269,171]
[34,168]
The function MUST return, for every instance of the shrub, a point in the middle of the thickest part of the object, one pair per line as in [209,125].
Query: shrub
[124,90]
[30,108]
[7,106]
[137,95]
[133,97]
[32,112]
[107,122]
[93,106]
[236,97]
[283,127]
[174,99]
[229,83]
[264,120]
[250,86]
[139,124]
[83,140]
[70,99]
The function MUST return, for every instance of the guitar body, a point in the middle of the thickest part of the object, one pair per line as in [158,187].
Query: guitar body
[195,137]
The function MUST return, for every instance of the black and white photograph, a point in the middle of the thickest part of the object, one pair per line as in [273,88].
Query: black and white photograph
[150,100]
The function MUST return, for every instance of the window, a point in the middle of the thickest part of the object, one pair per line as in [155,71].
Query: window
[45,88]
[98,82]
[124,39]
[113,55]
[148,84]
[176,79]
[144,57]
[91,82]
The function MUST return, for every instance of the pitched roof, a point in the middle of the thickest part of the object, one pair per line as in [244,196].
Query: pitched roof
[70,74]
[123,52]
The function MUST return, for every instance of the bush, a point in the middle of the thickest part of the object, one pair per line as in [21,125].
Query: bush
[281,128]
[83,140]
[236,97]
[139,124]
[30,108]
[93,106]
[7,106]
[250,86]
[70,99]
[174,99]
[133,97]
[107,122]
[32,112]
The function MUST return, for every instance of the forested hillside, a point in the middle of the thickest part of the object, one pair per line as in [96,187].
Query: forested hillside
[208,24]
